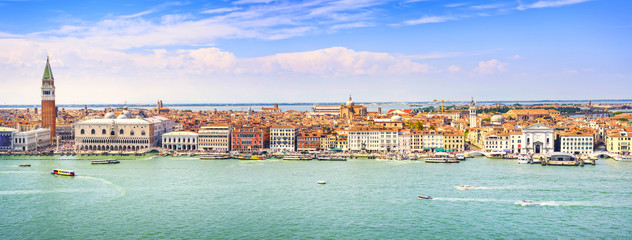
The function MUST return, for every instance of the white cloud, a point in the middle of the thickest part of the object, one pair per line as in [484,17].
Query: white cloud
[429,19]
[515,57]
[550,3]
[490,67]
[351,25]
[221,10]
[454,68]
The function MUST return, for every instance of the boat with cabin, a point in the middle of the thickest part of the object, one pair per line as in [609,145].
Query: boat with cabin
[425,197]
[24,165]
[331,159]
[623,158]
[460,156]
[442,158]
[527,203]
[106,161]
[297,157]
[524,159]
[215,156]
[465,187]
[62,172]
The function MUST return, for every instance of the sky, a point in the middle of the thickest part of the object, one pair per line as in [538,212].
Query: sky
[265,51]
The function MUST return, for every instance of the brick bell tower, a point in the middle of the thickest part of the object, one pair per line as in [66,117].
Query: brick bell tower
[49,111]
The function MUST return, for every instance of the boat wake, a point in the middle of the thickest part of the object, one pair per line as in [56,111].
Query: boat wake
[120,192]
[470,199]
[31,192]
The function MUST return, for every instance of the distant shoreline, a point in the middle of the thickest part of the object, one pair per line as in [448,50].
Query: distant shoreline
[525,102]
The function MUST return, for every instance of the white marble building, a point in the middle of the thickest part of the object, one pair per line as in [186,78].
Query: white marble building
[538,138]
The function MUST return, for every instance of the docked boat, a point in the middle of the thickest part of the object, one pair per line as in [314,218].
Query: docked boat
[25,165]
[464,187]
[332,159]
[214,156]
[321,182]
[105,161]
[623,158]
[62,172]
[524,159]
[527,203]
[297,157]
[460,156]
[442,158]
[425,197]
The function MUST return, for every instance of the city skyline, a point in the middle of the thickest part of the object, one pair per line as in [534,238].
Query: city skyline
[316,51]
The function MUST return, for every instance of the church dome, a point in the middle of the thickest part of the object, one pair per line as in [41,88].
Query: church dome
[127,114]
[497,119]
[396,118]
[110,115]
[350,103]
[122,116]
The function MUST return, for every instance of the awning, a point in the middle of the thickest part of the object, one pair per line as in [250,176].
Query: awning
[426,149]
[439,150]
[336,149]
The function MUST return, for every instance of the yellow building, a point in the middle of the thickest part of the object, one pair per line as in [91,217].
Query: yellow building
[454,141]
[619,142]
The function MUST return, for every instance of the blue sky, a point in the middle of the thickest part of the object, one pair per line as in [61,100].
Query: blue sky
[316,51]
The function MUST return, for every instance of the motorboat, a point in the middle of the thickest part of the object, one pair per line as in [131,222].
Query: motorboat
[321,182]
[297,157]
[460,156]
[623,158]
[527,203]
[62,172]
[442,158]
[425,197]
[332,159]
[106,161]
[214,156]
[464,187]
[524,159]
[25,165]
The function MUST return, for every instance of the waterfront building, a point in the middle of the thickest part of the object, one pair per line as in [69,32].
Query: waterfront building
[473,114]
[308,141]
[328,142]
[250,139]
[215,138]
[180,141]
[619,142]
[538,139]
[283,138]
[31,140]
[350,110]
[122,133]
[497,142]
[49,110]
[342,143]
[576,142]
[372,138]
[6,138]
[403,140]
[416,141]
[516,141]
[454,141]
[432,140]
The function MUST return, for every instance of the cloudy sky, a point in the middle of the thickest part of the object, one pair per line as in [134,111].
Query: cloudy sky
[315,50]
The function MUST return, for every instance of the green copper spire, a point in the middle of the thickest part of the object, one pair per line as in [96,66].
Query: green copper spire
[48,74]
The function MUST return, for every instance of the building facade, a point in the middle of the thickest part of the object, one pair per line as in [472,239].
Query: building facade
[308,141]
[250,139]
[6,138]
[215,138]
[576,142]
[538,139]
[180,141]
[32,140]
[283,138]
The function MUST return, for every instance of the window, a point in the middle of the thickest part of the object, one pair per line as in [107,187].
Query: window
[121,132]
[83,131]
[112,133]
[103,131]
[93,132]
[142,133]
[131,133]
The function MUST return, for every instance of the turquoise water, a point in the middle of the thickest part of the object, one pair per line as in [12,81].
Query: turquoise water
[187,198]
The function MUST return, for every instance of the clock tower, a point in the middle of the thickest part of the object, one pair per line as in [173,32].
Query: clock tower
[49,111]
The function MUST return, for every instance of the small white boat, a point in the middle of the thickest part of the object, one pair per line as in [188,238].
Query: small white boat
[524,159]
[623,158]
[321,182]
[527,203]
[464,187]
[460,156]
